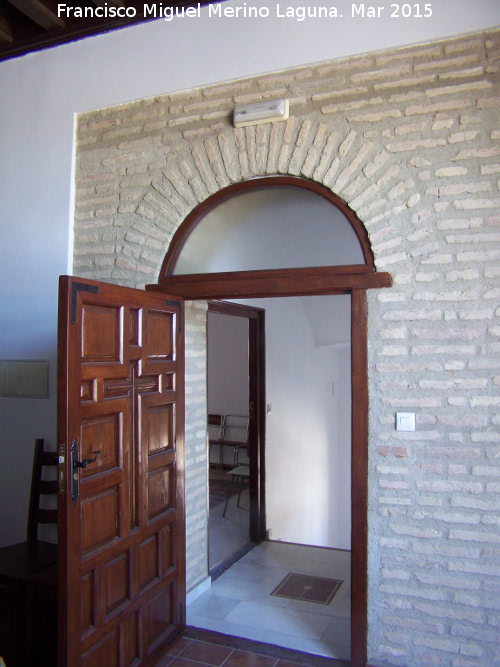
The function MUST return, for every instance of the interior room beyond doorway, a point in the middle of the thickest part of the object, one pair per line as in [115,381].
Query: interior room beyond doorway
[308,447]
[228,402]
[308,424]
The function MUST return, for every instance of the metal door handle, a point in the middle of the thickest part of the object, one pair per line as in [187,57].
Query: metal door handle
[75,464]
[85,462]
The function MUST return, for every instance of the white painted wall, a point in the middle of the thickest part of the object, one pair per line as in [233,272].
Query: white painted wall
[308,431]
[227,364]
[39,96]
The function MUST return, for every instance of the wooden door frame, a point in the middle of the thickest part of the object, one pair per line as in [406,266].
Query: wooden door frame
[359,452]
[257,396]
[359,457]
[347,279]
[359,478]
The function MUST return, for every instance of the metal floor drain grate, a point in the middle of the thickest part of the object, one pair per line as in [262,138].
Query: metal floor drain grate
[308,588]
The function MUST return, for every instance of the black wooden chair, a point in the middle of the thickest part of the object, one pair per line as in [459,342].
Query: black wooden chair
[229,431]
[236,435]
[20,561]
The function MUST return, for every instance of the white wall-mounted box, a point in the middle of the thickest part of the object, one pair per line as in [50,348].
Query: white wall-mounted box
[405,421]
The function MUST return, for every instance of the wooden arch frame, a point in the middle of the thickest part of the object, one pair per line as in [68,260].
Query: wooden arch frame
[194,218]
[347,279]
[271,282]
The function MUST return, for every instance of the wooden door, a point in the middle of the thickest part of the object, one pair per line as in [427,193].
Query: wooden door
[122,539]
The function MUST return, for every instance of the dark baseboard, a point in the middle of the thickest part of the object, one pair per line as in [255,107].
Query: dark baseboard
[219,569]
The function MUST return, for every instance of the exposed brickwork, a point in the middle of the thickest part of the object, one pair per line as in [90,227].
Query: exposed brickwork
[410,140]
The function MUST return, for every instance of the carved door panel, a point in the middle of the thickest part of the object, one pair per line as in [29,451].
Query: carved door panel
[121,473]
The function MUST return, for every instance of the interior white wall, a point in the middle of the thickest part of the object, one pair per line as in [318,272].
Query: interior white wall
[308,428]
[227,364]
[40,94]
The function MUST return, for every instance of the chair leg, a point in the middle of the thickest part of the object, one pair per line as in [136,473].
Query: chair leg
[239,492]
[228,495]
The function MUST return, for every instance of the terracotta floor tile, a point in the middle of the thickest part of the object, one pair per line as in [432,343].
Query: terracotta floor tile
[178,646]
[246,659]
[182,662]
[212,650]
[165,661]
[210,654]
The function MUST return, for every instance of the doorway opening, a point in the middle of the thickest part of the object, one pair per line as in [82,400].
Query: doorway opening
[308,431]
[315,276]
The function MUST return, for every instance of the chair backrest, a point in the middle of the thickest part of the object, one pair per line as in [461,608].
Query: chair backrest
[41,487]
[215,427]
[236,428]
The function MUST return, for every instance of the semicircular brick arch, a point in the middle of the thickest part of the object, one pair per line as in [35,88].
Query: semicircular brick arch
[345,163]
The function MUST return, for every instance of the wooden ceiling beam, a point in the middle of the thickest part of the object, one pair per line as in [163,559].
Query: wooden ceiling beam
[5,31]
[32,25]
[38,12]
[102,3]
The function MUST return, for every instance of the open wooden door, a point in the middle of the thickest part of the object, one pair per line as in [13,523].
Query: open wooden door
[121,473]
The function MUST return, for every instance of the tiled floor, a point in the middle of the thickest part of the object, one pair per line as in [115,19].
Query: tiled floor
[204,649]
[240,604]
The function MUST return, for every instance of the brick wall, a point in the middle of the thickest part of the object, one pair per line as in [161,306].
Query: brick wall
[410,139]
